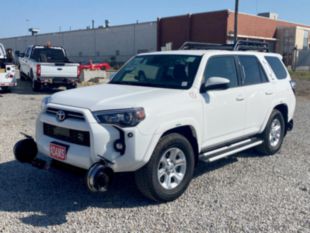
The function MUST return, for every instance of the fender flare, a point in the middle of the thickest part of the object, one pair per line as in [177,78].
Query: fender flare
[274,105]
[170,126]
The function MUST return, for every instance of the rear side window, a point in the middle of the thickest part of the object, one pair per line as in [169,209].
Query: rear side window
[252,70]
[277,67]
[224,67]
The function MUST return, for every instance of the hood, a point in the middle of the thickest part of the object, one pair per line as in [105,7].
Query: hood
[110,96]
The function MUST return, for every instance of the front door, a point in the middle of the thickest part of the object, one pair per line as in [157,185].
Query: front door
[224,110]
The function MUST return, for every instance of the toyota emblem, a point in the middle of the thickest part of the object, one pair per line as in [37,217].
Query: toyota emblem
[60,115]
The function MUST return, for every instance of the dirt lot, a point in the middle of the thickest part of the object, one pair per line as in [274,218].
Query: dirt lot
[244,193]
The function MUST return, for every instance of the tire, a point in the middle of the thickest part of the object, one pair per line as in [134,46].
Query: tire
[22,77]
[36,86]
[5,89]
[157,180]
[273,134]
[72,86]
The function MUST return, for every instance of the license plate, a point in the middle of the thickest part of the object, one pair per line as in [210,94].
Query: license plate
[58,151]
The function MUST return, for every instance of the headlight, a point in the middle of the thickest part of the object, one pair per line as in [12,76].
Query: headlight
[44,102]
[122,117]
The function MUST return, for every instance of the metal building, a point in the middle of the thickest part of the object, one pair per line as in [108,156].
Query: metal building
[115,43]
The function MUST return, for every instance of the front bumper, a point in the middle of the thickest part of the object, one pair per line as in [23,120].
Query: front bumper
[102,140]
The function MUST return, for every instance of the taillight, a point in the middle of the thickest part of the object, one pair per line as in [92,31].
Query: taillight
[293,85]
[78,72]
[38,70]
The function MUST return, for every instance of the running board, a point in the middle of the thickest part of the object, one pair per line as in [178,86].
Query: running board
[228,150]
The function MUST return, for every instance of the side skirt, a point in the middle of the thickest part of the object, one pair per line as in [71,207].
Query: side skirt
[231,149]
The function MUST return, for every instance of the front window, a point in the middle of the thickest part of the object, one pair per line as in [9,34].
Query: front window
[165,71]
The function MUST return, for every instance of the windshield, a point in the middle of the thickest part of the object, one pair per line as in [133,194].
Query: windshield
[166,71]
[48,55]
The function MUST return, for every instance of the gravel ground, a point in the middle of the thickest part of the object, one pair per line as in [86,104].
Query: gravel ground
[244,193]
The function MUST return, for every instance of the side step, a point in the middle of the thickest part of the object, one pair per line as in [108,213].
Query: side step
[228,150]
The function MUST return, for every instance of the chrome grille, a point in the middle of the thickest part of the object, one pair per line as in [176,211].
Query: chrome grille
[69,114]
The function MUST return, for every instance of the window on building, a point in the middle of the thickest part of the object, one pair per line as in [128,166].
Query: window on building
[306,40]
[277,67]
[252,70]
[224,67]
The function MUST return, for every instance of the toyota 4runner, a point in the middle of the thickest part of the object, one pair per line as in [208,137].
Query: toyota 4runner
[164,111]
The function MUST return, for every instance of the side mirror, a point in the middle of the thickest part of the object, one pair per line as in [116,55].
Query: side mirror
[215,83]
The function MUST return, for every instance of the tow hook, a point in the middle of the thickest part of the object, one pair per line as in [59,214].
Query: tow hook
[99,177]
[26,151]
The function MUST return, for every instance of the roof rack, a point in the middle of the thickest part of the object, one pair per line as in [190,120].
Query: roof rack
[241,45]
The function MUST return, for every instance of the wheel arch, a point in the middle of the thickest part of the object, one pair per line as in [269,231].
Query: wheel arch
[283,108]
[189,133]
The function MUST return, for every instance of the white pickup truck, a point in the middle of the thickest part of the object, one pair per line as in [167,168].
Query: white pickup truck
[7,71]
[48,66]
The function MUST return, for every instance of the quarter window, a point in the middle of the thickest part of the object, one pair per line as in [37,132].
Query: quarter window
[252,70]
[277,67]
[224,67]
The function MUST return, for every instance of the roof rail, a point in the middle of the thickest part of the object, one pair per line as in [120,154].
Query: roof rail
[241,45]
[244,45]
[189,45]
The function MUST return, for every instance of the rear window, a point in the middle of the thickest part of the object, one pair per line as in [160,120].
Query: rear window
[48,55]
[277,67]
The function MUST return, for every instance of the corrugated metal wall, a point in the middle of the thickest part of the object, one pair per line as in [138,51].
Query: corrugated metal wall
[121,42]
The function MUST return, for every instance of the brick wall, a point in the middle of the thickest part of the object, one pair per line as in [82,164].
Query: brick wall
[256,26]
[205,27]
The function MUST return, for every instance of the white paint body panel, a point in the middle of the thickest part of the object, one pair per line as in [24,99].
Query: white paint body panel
[215,116]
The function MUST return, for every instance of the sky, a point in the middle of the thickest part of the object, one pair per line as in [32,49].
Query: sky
[62,15]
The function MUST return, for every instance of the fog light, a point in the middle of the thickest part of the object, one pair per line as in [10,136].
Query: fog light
[119,146]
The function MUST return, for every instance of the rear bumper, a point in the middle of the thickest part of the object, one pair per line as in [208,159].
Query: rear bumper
[58,81]
[8,84]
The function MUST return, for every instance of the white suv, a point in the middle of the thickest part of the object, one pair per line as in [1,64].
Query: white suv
[164,111]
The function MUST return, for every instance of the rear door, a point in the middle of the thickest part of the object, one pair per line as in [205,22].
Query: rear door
[259,92]
[224,110]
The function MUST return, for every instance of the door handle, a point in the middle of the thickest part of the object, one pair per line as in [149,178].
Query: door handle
[268,92]
[240,98]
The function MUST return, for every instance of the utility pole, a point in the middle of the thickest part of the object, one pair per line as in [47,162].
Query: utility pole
[236,21]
